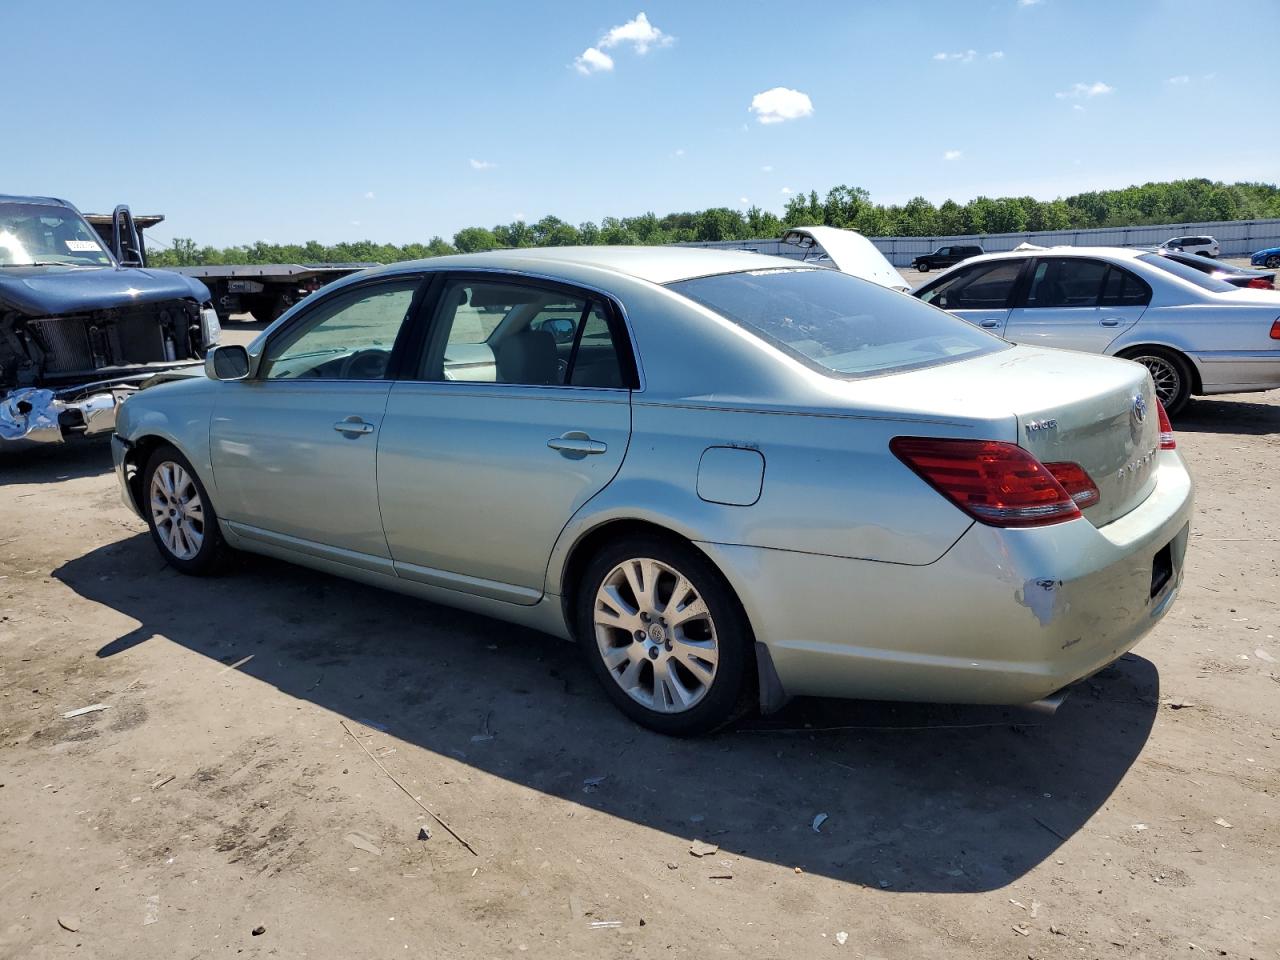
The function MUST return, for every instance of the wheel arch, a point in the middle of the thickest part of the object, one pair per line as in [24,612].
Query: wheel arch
[1197,383]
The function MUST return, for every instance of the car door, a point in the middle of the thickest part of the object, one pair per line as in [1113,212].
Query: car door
[518,412]
[1076,303]
[980,293]
[294,449]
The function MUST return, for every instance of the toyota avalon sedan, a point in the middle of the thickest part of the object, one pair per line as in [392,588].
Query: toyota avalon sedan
[1198,335]
[731,479]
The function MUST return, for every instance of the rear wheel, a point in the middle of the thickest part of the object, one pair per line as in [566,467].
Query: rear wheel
[183,523]
[922,267]
[1273,263]
[1169,371]
[665,635]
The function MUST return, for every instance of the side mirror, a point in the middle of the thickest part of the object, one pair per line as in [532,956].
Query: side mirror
[227,362]
[561,328]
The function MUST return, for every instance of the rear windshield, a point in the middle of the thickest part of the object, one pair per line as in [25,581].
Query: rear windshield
[1190,274]
[838,324]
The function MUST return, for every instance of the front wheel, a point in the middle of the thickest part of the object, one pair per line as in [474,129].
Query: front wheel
[1171,374]
[183,524]
[922,267]
[665,635]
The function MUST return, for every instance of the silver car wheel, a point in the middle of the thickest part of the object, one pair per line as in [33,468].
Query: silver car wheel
[177,510]
[655,635]
[1167,377]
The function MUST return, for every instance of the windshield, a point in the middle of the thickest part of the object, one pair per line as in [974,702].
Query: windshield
[37,233]
[838,324]
[1190,274]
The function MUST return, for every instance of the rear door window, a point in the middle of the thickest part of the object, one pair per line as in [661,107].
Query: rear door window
[984,286]
[1066,282]
[1122,289]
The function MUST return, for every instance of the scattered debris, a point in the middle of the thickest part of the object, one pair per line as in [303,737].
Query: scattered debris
[700,849]
[724,875]
[1035,908]
[258,931]
[405,789]
[672,865]
[642,921]
[424,833]
[153,910]
[842,938]
[799,871]
[1049,828]
[818,821]
[235,666]
[1140,826]
[1022,928]
[161,782]
[604,924]
[1057,931]
[592,784]
[1222,823]
[1019,905]
[68,922]
[1264,656]
[372,725]
[1177,703]
[362,841]
[83,710]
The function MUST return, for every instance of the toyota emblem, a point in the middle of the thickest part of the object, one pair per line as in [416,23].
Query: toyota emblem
[1139,408]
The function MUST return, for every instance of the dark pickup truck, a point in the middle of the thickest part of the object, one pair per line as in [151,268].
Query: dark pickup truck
[83,322]
[947,256]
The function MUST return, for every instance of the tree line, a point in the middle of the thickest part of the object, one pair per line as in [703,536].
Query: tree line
[1179,201]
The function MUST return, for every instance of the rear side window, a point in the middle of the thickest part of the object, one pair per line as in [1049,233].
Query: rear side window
[1122,289]
[984,286]
[1190,274]
[838,324]
[1065,282]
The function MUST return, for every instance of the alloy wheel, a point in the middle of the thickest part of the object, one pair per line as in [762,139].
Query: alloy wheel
[177,510]
[1167,377]
[656,636]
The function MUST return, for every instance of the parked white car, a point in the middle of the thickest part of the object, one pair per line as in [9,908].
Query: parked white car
[1196,334]
[1205,246]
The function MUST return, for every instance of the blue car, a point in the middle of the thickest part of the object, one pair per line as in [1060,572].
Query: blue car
[1270,258]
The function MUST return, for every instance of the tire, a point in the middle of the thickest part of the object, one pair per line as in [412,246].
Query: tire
[1273,263]
[265,308]
[922,267]
[174,499]
[706,661]
[1171,373]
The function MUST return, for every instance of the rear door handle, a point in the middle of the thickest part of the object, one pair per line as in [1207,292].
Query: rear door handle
[353,425]
[1110,322]
[576,444]
[990,324]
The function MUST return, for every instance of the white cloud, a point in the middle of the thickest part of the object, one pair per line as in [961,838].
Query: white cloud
[678,152]
[744,201]
[766,169]
[1084,90]
[1209,76]
[964,56]
[953,155]
[1180,79]
[1029,3]
[482,165]
[368,195]
[785,191]
[779,104]
[1077,107]
[355,223]
[638,32]
[592,60]
[995,55]
[519,215]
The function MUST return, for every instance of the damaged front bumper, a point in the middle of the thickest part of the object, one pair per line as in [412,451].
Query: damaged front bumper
[38,416]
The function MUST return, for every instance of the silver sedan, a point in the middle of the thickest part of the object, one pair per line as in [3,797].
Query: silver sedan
[731,478]
[1195,333]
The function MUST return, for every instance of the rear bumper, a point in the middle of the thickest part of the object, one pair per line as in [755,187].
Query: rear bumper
[1005,617]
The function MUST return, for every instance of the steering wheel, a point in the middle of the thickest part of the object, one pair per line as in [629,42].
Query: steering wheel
[370,364]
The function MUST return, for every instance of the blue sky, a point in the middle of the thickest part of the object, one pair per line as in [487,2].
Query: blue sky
[398,121]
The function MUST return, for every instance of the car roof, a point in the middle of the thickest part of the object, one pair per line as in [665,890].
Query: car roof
[655,264]
[45,201]
[1119,253]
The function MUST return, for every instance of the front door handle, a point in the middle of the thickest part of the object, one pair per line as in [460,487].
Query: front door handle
[354,426]
[990,324]
[576,444]
[1110,322]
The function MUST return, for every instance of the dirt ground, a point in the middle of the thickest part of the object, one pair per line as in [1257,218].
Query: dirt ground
[227,787]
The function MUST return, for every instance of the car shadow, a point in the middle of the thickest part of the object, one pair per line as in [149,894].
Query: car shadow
[1211,415]
[916,797]
[54,463]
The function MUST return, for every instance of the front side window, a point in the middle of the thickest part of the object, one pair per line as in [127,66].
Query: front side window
[493,331]
[349,336]
[838,324]
[984,286]
[35,234]
[1066,282]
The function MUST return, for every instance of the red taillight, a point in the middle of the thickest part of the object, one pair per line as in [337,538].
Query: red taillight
[1261,283]
[999,484]
[1275,329]
[1167,442]
[1077,482]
